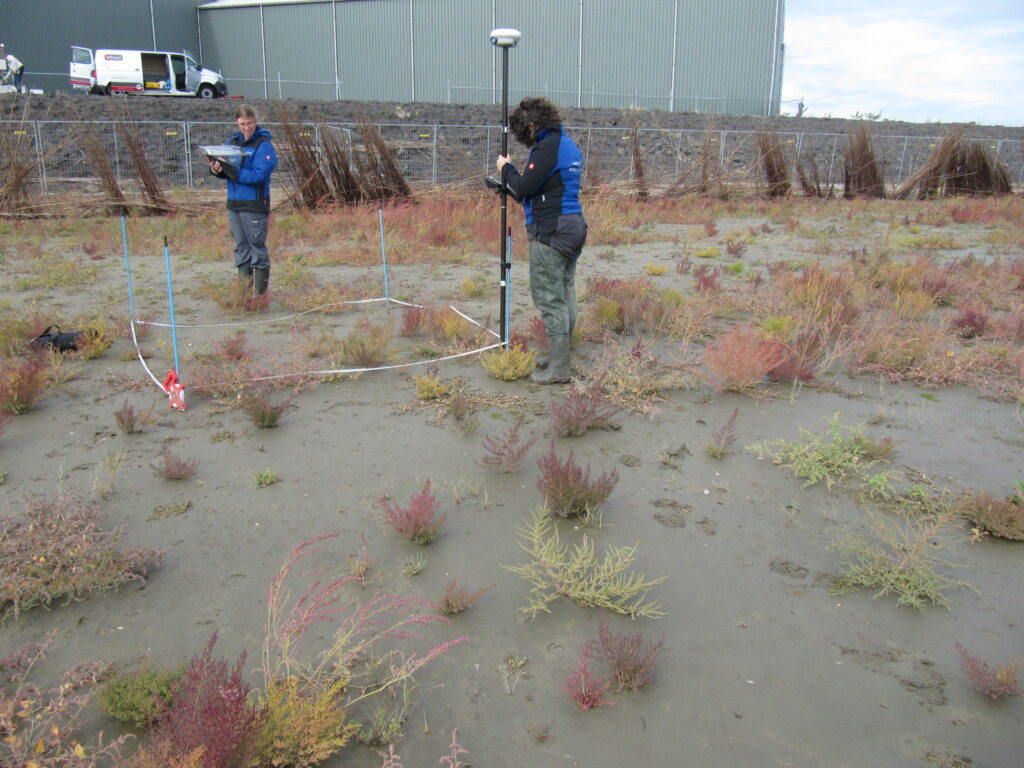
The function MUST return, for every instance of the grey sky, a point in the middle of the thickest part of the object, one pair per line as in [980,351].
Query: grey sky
[914,60]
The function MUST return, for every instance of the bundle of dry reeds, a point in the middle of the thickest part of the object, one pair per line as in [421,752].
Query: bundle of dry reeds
[152,192]
[773,162]
[810,182]
[639,177]
[17,162]
[862,173]
[91,143]
[302,162]
[386,180]
[957,166]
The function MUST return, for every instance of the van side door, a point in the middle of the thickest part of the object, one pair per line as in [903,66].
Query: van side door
[193,76]
[82,70]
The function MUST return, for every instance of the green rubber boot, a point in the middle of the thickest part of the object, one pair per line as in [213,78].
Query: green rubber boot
[558,370]
[261,280]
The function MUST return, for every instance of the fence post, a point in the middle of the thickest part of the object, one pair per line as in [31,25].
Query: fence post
[433,157]
[903,154]
[832,162]
[117,154]
[188,154]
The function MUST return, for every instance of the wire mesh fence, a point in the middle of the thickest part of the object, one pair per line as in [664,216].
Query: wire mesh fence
[430,154]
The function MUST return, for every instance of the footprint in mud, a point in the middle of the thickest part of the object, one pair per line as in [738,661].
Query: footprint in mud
[921,679]
[787,568]
[709,526]
[675,515]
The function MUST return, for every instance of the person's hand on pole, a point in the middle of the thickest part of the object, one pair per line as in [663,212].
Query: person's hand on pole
[502,161]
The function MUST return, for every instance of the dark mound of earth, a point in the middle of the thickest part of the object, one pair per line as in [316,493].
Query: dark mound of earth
[64,106]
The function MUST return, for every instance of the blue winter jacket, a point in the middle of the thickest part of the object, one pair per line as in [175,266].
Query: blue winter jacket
[249,182]
[550,184]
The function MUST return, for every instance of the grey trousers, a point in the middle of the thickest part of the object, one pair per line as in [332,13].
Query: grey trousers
[553,288]
[250,232]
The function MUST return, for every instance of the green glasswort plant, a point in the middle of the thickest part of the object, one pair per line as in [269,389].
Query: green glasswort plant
[842,453]
[556,571]
[265,478]
[901,557]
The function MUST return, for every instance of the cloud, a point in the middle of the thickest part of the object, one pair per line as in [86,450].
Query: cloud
[906,69]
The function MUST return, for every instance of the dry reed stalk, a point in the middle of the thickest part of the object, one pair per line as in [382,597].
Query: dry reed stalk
[639,179]
[773,162]
[152,192]
[957,166]
[337,168]
[862,174]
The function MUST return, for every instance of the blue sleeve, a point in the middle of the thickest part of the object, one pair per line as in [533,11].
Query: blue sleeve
[264,160]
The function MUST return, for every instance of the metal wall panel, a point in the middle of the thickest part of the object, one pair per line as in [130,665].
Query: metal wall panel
[627,60]
[300,50]
[375,50]
[546,61]
[453,53]
[232,44]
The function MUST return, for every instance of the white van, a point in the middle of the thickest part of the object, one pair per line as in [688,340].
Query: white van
[154,73]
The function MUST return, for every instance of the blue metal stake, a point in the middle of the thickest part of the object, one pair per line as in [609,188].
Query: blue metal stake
[128,270]
[383,254]
[170,301]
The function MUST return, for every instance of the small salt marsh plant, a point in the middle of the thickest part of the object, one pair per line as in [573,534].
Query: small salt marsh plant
[843,452]
[368,346]
[506,451]
[586,688]
[901,556]
[1004,519]
[171,466]
[139,698]
[429,386]
[57,551]
[265,478]
[510,363]
[555,570]
[629,658]
[582,409]
[418,521]
[262,411]
[723,438]
[130,421]
[414,565]
[23,382]
[474,287]
[995,681]
[455,599]
[568,489]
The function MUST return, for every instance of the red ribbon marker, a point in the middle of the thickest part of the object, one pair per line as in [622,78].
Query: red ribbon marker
[175,390]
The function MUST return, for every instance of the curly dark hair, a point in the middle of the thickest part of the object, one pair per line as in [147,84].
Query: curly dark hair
[534,113]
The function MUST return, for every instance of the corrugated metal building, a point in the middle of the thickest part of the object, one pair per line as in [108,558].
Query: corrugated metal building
[702,55]
[41,32]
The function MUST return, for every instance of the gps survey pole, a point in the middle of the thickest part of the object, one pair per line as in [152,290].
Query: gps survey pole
[504,39]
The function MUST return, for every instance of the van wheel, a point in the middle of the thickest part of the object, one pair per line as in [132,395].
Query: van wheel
[206,92]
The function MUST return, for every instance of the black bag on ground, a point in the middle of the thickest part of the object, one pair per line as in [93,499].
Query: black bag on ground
[52,337]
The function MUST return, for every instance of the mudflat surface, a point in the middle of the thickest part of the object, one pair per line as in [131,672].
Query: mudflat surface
[762,665]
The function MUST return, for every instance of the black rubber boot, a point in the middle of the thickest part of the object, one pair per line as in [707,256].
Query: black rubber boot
[261,280]
[245,273]
[544,357]
[558,370]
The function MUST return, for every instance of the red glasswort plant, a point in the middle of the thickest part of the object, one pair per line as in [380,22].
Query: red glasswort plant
[418,521]
[584,687]
[454,599]
[567,487]
[582,409]
[506,452]
[22,382]
[630,660]
[211,710]
[739,359]
[995,682]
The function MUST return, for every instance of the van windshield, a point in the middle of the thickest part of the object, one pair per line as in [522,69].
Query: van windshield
[81,56]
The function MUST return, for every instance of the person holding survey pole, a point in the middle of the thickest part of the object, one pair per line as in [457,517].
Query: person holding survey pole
[549,189]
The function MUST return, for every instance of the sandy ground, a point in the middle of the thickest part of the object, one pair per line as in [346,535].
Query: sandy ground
[762,666]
